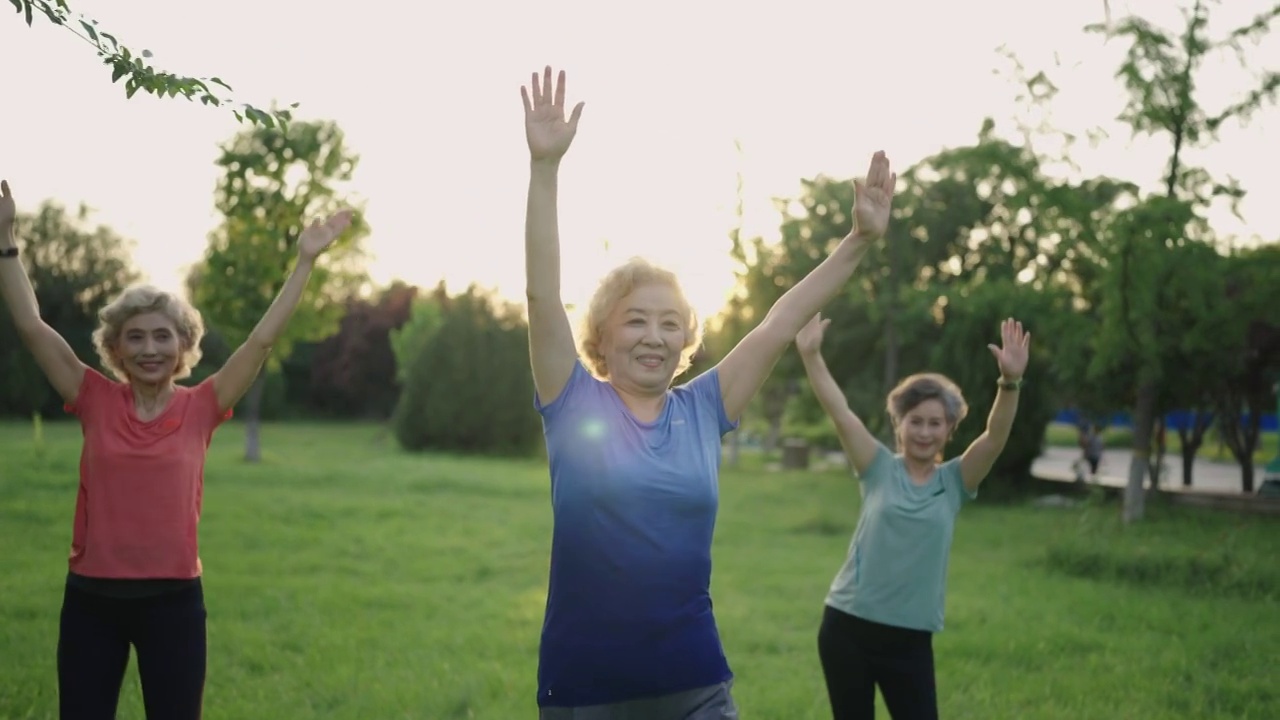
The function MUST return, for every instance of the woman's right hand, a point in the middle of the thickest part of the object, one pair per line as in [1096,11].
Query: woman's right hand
[809,339]
[545,127]
[8,211]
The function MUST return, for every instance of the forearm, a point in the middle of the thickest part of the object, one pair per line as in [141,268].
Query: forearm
[790,313]
[273,323]
[824,385]
[1000,421]
[15,287]
[542,234]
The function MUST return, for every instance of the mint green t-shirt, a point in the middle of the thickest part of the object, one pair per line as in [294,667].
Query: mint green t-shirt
[896,570]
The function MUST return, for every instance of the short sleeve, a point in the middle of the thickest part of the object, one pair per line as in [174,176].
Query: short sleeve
[880,469]
[954,480]
[579,379]
[94,386]
[705,390]
[206,404]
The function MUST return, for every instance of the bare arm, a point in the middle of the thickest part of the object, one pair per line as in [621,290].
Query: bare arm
[235,377]
[551,349]
[981,455]
[52,353]
[858,443]
[745,368]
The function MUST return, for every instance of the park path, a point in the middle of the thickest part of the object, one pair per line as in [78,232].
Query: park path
[1208,476]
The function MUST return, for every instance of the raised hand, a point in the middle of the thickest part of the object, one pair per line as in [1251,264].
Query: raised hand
[319,236]
[809,339]
[874,198]
[548,133]
[8,211]
[1012,355]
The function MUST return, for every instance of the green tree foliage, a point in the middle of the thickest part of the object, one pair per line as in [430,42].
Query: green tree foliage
[352,373]
[1250,332]
[968,320]
[75,270]
[275,181]
[138,74]
[1160,72]
[464,364]
[980,233]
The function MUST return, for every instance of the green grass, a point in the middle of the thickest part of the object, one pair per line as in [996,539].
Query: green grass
[1065,435]
[345,579]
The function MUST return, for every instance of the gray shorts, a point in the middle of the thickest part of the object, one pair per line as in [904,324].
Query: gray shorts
[708,703]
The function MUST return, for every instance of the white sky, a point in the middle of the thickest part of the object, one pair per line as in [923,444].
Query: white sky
[428,95]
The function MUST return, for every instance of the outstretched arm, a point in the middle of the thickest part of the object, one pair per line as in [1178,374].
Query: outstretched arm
[235,377]
[551,350]
[52,353]
[858,443]
[745,368]
[1012,361]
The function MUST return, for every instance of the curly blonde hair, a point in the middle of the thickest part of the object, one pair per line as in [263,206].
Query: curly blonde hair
[618,284]
[139,300]
[920,388]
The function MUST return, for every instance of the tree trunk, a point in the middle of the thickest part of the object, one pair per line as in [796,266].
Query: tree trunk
[1188,460]
[253,419]
[1143,420]
[1246,477]
[735,443]
[1240,434]
[1192,441]
[1156,465]
[775,397]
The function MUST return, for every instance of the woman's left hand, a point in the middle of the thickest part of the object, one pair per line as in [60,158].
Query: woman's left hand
[1012,356]
[319,236]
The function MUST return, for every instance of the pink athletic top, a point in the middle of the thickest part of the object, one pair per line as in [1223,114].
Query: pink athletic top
[141,483]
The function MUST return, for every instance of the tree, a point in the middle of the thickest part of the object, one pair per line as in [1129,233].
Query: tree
[352,373]
[467,386]
[75,270]
[1252,330]
[139,75]
[1160,72]
[275,181]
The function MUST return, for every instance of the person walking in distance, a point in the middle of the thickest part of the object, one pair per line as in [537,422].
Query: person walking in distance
[629,630]
[134,575]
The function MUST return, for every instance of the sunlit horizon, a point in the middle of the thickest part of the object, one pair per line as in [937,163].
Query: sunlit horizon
[436,117]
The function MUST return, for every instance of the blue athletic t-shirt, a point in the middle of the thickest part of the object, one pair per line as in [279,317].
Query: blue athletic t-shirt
[628,610]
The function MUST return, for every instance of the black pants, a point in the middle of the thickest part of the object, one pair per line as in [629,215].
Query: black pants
[858,655]
[167,632]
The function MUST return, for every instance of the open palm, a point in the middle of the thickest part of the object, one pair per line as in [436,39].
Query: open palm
[8,211]
[319,236]
[809,339]
[874,197]
[548,133]
[1011,356]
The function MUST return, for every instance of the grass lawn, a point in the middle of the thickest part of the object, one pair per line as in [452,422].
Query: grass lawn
[346,579]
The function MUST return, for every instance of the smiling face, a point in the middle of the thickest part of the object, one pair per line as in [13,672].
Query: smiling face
[924,431]
[643,339]
[149,348]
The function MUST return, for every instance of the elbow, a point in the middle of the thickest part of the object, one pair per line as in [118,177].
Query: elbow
[30,328]
[260,343]
[776,330]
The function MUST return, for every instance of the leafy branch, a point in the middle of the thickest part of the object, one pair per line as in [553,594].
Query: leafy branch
[138,74]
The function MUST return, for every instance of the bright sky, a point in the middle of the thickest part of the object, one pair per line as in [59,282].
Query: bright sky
[428,95]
